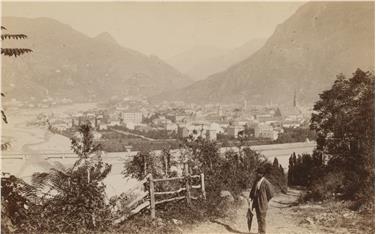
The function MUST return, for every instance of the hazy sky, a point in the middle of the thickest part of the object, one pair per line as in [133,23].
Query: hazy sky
[164,28]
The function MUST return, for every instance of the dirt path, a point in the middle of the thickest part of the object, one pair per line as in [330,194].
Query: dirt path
[281,218]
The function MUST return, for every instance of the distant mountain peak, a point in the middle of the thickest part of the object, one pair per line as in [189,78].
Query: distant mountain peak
[106,37]
[68,64]
[306,52]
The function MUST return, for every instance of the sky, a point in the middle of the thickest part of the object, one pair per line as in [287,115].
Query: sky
[164,28]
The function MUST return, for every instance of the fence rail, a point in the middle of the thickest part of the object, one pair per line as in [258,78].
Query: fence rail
[150,197]
[187,189]
[171,192]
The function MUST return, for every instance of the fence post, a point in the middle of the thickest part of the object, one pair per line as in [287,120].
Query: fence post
[144,163]
[88,175]
[203,186]
[187,185]
[152,197]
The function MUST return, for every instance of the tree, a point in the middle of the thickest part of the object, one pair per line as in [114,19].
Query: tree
[343,119]
[11,52]
[141,165]
[275,163]
[167,161]
[83,145]
[16,199]
[73,198]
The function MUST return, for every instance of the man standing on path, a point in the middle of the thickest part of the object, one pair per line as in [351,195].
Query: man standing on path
[261,194]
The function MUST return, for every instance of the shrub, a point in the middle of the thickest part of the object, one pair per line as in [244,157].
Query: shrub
[325,187]
[75,199]
[62,200]
[234,172]
[344,121]
[16,200]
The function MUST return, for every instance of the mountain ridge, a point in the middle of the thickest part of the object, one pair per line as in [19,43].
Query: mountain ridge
[305,53]
[66,63]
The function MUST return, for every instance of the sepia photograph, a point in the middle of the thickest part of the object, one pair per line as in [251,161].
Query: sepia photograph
[188,117]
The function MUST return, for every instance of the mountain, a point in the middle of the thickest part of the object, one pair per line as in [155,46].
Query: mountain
[67,63]
[204,68]
[305,53]
[106,37]
[187,61]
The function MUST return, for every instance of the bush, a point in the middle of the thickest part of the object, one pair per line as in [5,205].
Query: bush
[295,135]
[305,168]
[15,203]
[68,200]
[344,122]
[75,200]
[233,172]
[328,186]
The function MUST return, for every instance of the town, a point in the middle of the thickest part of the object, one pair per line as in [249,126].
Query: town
[187,117]
[132,122]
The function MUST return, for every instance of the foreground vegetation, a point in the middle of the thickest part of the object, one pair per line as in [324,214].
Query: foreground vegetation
[73,199]
[342,166]
[62,200]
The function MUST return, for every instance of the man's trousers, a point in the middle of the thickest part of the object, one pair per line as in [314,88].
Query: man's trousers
[261,221]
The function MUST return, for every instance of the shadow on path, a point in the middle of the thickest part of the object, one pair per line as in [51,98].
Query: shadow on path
[280,204]
[229,228]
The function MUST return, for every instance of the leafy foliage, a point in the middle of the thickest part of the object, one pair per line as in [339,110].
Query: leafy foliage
[234,171]
[15,201]
[13,36]
[68,200]
[4,117]
[141,165]
[303,169]
[343,161]
[75,198]
[5,146]
[344,122]
[13,51]
[295,135]
[83,145]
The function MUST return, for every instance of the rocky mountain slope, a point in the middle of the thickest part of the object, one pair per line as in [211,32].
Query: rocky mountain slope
[199,68]
[67,63]
[188,60]
[305,53]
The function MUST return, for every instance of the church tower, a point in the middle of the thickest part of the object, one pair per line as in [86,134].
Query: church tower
[220,111]
[294,101]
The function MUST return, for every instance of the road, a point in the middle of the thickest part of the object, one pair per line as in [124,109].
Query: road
[132,134]
[281,219]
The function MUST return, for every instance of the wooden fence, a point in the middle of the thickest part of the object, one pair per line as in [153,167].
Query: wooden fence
[151,198]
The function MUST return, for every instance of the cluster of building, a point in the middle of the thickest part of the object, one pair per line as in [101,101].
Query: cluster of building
[209,121]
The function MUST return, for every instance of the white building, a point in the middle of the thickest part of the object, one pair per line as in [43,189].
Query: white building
[130,125]
[102,126]
[132,117]
[266,131]
[171,127]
